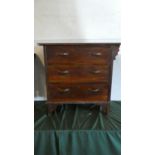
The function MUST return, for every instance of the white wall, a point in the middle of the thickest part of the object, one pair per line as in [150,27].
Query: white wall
[79,21]
[116,80]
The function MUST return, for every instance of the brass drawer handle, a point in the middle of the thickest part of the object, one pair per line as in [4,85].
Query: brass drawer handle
[97,54]
[94,90]
[64,72]
[96,71]
[65,90]
[63,54]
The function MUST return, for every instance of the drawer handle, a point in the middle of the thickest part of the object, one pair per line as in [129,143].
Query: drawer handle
[65,90]
[64,72]
[96,71]
[97,54]
[63,54]
[94,90]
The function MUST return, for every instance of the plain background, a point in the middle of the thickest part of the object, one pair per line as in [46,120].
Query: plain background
[16,80]
[72,20]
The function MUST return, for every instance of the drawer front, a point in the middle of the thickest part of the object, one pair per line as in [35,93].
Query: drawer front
[77,54]
[88,92]
[77,73]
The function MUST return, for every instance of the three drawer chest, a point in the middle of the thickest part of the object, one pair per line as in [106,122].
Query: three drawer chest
[79,73]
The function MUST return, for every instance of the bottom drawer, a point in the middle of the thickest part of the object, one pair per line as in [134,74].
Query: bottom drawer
[87,92]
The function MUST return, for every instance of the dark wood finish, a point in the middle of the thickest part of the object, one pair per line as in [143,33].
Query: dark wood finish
[79,73]
[77,54]
[86,92]
[51,108]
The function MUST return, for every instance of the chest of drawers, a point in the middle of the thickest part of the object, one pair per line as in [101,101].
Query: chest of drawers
[79,73]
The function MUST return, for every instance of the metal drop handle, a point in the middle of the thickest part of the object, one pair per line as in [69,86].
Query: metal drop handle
[64,54]
[97,54]
[94,90]
[64,72]
[96,71]
[64,90]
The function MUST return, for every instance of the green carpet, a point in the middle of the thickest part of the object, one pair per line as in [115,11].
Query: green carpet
[77,130]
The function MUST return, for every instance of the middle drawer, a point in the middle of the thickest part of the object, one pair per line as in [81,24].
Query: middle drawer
[77,73]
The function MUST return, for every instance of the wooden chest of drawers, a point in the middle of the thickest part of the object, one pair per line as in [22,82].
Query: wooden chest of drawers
[79,73]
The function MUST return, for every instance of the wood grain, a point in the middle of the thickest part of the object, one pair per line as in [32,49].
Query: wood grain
[87,92]
[77,55]
[79,73]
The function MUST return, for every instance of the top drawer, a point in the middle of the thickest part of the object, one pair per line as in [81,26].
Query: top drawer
[77,54]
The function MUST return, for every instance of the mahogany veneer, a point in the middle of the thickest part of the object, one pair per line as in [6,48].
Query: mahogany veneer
[79,73]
